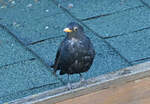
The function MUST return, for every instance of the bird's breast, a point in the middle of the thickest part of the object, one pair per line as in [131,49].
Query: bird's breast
[73,41]
[73,45]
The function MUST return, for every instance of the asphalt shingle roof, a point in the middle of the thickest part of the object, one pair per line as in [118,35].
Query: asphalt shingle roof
[31,31]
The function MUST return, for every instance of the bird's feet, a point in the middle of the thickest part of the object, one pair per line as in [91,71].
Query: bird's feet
[69,87]
[83,82]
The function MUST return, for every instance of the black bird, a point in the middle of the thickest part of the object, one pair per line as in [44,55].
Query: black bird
[76,52]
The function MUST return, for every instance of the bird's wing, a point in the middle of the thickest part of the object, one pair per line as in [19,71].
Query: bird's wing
[79,60]
[55,66]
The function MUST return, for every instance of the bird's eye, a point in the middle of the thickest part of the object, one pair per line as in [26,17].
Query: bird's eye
[75,28]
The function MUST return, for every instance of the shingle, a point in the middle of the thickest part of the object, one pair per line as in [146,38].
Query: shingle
[88,8]
[17,79]
[32,31]
[146,3]
[33,23]
[120,23]
[10,50]
[134,46]
[24,10]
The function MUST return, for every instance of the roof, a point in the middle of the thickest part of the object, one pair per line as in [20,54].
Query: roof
[31,31]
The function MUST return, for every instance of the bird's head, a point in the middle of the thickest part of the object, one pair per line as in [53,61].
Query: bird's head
[74,28]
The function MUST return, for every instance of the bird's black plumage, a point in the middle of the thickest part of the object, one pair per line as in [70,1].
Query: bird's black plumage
[76,53]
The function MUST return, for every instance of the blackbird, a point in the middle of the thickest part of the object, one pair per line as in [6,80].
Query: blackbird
[76,53]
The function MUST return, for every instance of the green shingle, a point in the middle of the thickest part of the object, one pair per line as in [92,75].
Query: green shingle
[134,46]
[22,73]
[10,50]
[25,10]
[146,3]
[32,31]
[17,80]
[30,23]
[84,8]
[120,23]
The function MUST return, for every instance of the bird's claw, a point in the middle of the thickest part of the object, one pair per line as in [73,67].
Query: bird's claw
[69,87]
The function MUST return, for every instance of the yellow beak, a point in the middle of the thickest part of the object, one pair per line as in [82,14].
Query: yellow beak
[67,30]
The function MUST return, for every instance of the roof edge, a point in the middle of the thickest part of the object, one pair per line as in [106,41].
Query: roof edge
[94,84]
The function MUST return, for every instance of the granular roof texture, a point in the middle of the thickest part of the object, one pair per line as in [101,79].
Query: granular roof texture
[31,31]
